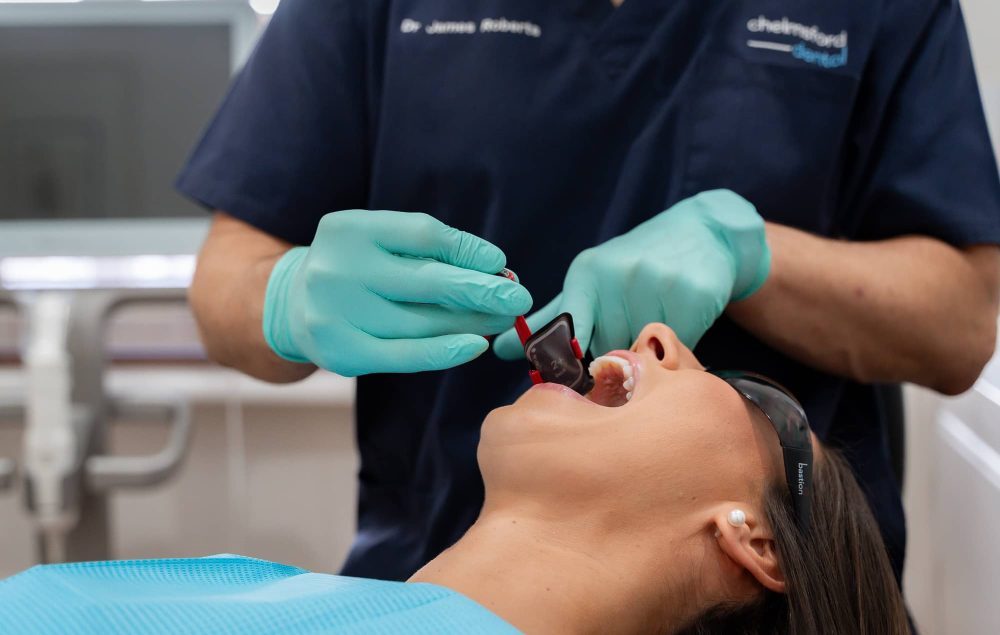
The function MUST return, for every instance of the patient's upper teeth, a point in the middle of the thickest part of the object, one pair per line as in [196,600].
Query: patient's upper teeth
[626,366]
[629,384]
[611,359]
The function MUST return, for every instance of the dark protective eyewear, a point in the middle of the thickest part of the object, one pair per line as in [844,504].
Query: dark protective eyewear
[789,420]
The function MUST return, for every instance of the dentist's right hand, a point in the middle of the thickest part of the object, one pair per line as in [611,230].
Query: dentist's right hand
[388,292]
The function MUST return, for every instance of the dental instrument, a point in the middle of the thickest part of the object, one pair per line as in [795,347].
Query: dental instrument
[553,351]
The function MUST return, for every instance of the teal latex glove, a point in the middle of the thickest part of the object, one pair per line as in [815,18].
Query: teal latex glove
[388,292]
[681,267]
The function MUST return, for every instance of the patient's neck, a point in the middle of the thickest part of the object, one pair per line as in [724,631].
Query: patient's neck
[546,577]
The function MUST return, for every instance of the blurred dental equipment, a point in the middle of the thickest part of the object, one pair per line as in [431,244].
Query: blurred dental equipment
[10,410]
[66,471]
[109,96]
[53,450]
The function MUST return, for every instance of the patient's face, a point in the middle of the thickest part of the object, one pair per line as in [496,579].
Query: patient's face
[683,438]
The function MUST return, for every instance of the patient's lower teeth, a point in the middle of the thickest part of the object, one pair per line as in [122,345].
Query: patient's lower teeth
[629,384]
[628,396]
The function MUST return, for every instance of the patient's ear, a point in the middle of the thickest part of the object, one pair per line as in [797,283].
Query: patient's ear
[751,546]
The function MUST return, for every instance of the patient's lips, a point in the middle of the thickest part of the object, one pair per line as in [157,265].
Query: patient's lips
[614,380]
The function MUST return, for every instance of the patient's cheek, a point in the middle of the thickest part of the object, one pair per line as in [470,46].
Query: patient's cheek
[689,361]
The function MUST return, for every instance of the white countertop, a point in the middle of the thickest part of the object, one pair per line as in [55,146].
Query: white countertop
[203,383]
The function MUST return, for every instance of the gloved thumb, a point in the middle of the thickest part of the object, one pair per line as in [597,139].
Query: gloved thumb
[508,347]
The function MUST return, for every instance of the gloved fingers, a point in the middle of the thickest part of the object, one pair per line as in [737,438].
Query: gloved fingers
[395,320]
[691,308]
[646,300]
[411,355]
[611,328]
[424,236]
[431,282]
[507,345]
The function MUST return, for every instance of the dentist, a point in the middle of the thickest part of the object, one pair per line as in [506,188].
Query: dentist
[827,218]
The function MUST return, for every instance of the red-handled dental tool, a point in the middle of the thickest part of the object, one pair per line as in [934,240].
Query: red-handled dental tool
[553,351]
[520,324]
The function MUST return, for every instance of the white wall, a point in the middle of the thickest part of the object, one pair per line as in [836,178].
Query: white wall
[946,558]
[983,20]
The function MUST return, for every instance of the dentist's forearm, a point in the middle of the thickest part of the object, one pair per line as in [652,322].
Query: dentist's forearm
[227,297]
[909,309]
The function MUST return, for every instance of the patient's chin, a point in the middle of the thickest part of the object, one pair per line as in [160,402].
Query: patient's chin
[497,422]
[518,422]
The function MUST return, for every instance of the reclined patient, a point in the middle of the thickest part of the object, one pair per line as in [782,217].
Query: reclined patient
[657,504]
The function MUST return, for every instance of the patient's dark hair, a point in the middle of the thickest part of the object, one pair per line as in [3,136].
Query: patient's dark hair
[837,574]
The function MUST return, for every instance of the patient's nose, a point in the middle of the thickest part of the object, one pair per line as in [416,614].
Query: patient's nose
[660,341]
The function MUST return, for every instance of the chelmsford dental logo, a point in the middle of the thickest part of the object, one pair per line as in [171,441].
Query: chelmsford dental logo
[828,50]
[469,27]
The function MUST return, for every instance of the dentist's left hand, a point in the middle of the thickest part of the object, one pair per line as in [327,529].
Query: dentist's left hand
[681,267]
[388,292]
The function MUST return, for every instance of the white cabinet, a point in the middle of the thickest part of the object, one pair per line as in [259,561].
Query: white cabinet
[953,508]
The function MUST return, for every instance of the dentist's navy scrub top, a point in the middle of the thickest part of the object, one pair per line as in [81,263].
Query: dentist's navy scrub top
[550,127]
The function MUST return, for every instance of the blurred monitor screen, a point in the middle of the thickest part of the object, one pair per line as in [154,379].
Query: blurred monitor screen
[98,117]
